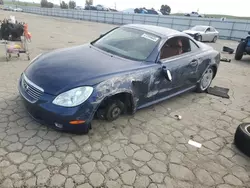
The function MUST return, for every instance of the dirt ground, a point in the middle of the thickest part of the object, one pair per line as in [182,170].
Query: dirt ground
[149,149]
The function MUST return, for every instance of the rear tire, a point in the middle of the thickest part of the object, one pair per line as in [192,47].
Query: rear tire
[215,39]
[206,80]
[239,51]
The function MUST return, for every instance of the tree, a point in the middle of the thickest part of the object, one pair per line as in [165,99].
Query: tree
[72,4]
[50,5]
[89,2]
[64,5]
[46,4]
[165,9]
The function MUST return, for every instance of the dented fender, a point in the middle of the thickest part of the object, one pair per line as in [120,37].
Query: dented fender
[138,84]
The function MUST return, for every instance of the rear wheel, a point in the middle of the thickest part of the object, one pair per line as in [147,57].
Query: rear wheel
[206,80]
[240,51]
[215,39]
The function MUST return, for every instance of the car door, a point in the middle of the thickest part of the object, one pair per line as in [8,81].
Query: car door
[205,36]
[183,70]
[213,33]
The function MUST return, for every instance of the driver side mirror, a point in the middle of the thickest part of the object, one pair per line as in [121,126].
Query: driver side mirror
[167,73]
[101,35]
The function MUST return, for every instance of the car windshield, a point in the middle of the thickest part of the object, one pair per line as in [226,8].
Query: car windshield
[199,28]
[128,43]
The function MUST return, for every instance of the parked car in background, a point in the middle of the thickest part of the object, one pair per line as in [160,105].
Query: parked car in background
[101,8]
[243,48]
[151,11]
[129,11]
[90,7]
[194,14]
[18,10]
[79,8]
[141,11]
[8,8]
[128,68]
[113,10]
[203,33]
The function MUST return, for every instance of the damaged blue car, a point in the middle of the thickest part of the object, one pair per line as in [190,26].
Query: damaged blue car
[128,68]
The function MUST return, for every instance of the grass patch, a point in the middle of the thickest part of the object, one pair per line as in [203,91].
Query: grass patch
[29,4]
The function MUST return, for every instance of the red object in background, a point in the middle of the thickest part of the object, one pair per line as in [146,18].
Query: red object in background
[26,33]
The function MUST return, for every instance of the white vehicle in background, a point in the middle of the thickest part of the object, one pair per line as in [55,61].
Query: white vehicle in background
[129,11]
[79,8]
[18,10]
[203,33]
[101,8]
[194,14]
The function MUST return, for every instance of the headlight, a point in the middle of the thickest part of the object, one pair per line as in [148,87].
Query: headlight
[73,97]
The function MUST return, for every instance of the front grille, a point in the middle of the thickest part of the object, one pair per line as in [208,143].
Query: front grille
[32,90]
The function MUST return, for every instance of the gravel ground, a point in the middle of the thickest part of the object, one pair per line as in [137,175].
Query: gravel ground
[149,149]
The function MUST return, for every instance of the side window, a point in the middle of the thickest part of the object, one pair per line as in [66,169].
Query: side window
[175,46]
[212,29]
[208,30]
[193,46]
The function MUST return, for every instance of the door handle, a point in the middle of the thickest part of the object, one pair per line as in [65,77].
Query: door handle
[193,63]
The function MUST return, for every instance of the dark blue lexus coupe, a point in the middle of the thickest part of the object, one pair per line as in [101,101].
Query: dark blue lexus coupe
[126,69]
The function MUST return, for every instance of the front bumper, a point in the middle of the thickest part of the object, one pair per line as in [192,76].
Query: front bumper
[57,117]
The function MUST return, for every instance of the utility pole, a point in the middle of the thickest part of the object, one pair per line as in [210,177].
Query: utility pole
[115,5]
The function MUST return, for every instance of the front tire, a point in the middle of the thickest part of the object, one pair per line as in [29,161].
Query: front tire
[114,109]
[206,80]
[240,51]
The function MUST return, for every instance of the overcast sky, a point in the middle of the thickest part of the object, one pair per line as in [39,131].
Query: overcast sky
[230,7]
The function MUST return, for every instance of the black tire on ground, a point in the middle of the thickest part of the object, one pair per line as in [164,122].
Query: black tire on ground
[239,51]
[200,88]
[242,138]
[215,39]
[113,110]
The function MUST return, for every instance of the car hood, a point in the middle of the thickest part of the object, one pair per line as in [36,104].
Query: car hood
[192,32]
[64,69]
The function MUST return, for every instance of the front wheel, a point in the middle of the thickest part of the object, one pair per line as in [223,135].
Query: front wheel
[113,110]
[239,51]
[206,80]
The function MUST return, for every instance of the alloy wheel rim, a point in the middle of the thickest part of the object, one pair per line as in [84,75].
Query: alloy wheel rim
[248,129]
[116,112]
[206,79]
